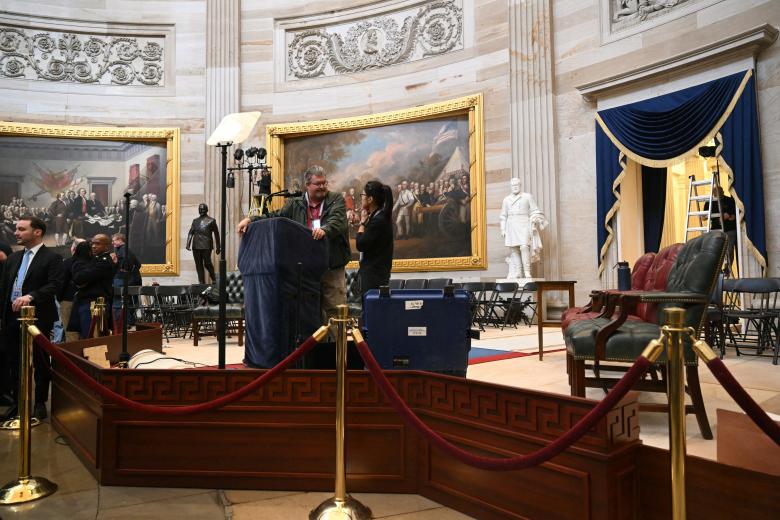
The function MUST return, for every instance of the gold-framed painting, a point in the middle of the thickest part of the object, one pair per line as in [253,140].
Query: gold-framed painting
[435,152]
[74,179]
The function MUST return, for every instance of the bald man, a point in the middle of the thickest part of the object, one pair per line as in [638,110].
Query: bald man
[92,280]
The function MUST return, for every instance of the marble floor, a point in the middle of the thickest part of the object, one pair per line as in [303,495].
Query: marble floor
[79,497]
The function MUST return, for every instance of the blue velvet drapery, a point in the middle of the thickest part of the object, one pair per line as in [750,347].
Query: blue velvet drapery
[669,127]
[653,206]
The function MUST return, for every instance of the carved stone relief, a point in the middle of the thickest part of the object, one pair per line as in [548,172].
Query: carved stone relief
[67,57]
[626,17]
[411,34]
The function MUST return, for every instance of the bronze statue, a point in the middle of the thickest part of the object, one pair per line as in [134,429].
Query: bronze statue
[200,242]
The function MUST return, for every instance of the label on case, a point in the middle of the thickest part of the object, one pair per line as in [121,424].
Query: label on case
[417,331]
[413,305]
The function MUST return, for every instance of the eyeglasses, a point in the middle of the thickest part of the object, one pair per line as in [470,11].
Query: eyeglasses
[320,184]
[363,195]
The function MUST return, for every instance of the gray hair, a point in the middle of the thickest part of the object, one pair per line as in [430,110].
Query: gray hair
[313,171]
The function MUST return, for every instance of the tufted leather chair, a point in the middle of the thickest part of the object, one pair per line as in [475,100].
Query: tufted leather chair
[204,316]
[595,308]
[690,281]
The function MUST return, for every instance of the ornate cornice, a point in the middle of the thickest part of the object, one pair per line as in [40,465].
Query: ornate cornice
[387,37]
[747,43]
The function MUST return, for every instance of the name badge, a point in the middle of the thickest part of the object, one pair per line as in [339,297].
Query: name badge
[315,223]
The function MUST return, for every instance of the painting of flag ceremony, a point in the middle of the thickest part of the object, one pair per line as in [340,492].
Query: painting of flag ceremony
[395,259]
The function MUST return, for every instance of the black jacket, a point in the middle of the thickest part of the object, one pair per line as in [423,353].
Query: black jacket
[67,289]
[42,282]
[134,267]
[376,245]
[95,278]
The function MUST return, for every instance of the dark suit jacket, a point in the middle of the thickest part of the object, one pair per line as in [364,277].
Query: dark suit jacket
[376,244]
[42,282]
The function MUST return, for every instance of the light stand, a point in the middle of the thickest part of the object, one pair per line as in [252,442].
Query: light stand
[222,315]
[233,129]
[124,356]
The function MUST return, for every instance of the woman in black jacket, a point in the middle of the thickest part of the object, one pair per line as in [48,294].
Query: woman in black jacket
[375,236]
[80,262]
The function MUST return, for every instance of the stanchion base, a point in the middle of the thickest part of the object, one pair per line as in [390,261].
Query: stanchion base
[26,490]
[13,424]
[333,509]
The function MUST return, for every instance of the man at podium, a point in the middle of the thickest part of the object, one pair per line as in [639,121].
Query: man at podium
[324,212]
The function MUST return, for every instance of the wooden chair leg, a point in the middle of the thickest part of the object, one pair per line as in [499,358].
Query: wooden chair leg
[195,331]
[692,375]
[577,377]
[241,332]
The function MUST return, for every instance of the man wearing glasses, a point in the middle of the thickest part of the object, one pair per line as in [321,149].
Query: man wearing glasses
[324,212]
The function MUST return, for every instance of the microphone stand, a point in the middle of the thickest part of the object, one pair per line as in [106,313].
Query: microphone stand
[124,356]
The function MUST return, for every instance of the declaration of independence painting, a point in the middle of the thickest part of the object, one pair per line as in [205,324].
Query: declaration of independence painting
[425,162]
[77,185]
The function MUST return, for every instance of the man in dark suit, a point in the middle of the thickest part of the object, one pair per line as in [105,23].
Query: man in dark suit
[32,276]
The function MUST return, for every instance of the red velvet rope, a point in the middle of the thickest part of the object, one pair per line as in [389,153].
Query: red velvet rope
[92,326]
[743,399]
[109,395]
[528,460]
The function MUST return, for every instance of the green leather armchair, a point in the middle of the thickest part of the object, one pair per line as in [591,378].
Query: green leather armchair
[602,339]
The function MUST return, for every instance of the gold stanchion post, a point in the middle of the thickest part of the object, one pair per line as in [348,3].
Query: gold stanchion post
[675,384]
[100,310]
[341,506]
[26,487]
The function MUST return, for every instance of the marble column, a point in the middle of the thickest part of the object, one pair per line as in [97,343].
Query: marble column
[534,154]
[223,31]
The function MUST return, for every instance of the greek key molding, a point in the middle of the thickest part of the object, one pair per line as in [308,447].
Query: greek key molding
[387,38]
[86,53]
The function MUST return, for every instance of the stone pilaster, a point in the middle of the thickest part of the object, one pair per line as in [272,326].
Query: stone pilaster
[534,154]
[223,31]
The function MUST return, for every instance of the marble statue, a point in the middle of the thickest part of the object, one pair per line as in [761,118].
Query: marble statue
[521,221]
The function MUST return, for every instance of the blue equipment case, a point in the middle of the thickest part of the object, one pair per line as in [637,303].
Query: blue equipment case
[425,329]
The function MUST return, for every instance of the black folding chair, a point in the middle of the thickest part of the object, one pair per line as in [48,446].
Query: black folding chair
[416,283]
[474,292]
[173,301]
[500,309]
[439,283]
[396,283]
[758,316]
[149,308]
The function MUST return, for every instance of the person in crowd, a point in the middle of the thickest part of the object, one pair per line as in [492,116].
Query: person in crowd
[94,206]
[375,236]
[93,280]
[126,263]
[728,218]
[77,212]
[57,212]
[32,276]
[5,395]
[80,254]
[403,207]
[324,212]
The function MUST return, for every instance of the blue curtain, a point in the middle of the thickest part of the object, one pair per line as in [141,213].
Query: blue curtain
[742,152]
[653,206]
[667,126]
[607,170]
